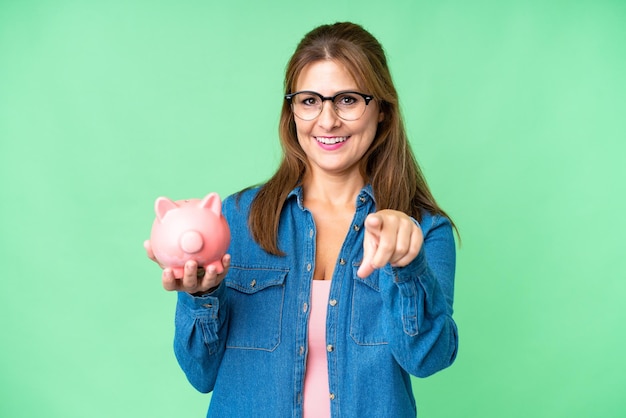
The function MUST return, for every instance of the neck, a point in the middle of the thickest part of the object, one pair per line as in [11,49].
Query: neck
[332,190]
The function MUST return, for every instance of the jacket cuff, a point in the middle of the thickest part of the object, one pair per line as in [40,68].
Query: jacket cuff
[208,303]
[415,268]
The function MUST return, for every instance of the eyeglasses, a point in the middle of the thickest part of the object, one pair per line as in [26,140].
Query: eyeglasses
[349,105]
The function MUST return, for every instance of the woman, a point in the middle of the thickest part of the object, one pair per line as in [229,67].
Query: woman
[339,280]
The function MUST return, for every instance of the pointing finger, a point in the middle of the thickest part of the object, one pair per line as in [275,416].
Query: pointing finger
[373,226]
[369,248]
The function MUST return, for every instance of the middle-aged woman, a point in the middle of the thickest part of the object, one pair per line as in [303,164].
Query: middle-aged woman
[339,281]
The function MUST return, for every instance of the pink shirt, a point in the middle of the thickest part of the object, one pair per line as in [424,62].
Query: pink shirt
[316,392]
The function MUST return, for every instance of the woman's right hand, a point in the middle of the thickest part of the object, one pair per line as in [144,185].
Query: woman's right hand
[192,282]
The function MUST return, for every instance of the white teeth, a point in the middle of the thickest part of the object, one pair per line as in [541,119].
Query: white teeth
[331,141]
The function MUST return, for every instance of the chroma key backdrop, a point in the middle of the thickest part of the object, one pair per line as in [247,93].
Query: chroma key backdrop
[515,110]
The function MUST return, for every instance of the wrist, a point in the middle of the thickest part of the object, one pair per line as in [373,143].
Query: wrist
[204,292]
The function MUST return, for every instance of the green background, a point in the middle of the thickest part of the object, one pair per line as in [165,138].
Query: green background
[516,112]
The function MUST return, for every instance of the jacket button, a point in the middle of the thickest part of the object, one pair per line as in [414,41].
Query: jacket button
[330,348]
[332,302]
[332,396]
[305,306]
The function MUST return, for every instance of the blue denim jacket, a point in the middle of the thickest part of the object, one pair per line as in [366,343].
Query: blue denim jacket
[247,341]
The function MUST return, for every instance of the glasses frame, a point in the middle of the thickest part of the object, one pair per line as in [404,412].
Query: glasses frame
[367,97]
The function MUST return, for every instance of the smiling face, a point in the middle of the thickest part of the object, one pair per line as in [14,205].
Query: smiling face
[332,145]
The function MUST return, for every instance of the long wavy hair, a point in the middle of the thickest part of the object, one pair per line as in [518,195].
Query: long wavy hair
[389,165]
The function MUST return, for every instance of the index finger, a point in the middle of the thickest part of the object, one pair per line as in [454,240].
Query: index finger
[366,268]
[373,226]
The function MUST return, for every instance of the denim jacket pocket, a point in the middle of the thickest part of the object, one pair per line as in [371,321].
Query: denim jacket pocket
[366,319]
[256,297]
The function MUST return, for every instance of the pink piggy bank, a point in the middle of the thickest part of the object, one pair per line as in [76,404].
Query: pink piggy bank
[186,230]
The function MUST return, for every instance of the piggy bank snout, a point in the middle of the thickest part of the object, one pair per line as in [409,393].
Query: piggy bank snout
[191,242]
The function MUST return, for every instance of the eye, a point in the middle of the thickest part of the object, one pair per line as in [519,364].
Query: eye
[308,99]
[346,100]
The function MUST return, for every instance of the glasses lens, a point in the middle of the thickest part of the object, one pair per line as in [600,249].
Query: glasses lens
[349,106]
[306,105]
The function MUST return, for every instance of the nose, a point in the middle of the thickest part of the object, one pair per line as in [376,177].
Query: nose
[328,118]
[191,242]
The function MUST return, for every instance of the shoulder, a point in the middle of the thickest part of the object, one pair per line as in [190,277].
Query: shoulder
[435,224]
[241,200]
[236,208]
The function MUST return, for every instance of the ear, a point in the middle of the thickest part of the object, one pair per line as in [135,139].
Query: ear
[162,206]
[212,201]
[381,117]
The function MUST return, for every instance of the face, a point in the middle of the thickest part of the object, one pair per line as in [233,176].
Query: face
[334,146]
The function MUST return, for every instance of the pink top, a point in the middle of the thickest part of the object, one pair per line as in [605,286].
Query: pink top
[316,392]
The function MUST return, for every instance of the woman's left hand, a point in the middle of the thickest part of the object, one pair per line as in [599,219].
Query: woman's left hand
[390,237]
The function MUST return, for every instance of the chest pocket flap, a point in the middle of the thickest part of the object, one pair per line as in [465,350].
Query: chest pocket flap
[255,303]
[252,280]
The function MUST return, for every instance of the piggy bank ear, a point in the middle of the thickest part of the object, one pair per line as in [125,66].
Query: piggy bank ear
[212,201]
[162,206]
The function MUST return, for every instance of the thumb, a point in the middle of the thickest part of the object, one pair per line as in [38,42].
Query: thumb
[149,252]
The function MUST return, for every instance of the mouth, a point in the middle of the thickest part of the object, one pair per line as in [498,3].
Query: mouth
[331,140]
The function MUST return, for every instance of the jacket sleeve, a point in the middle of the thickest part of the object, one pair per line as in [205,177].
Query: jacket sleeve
[418,301]
[200,336]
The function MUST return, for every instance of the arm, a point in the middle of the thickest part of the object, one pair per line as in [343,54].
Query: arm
[200,320]
[418,305]
[418,294]
[200,335]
